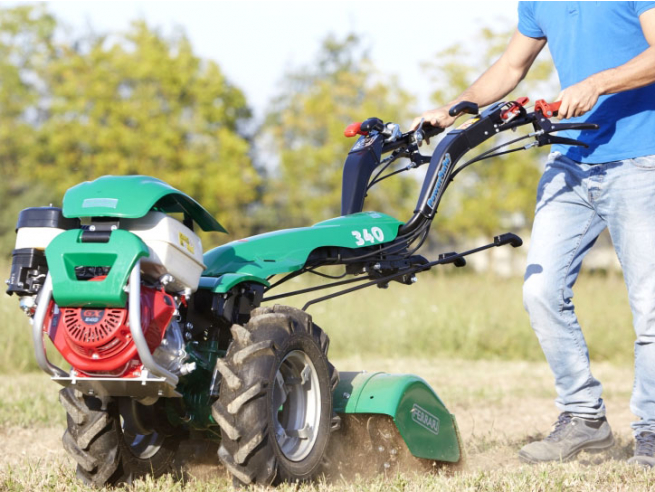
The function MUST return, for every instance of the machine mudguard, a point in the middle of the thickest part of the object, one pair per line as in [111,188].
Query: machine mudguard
[132,197]
[427,427]
[287,250]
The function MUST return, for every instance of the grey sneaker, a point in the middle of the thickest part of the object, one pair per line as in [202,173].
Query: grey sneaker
[644,450]
[570,436]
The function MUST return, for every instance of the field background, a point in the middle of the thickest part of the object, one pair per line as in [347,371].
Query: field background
[467,335]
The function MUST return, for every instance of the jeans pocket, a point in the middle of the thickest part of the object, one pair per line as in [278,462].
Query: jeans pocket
[645,162]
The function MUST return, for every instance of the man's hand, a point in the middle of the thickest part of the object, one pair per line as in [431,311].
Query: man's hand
[436,117]
[578,98]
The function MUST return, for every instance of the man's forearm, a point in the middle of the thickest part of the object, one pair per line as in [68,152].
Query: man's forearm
[498,81]
[492,85]
[638,72]
[580,98]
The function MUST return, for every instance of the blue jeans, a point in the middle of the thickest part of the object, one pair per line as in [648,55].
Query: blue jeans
[575,203]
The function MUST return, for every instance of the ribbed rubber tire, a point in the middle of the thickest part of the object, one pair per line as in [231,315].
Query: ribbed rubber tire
[94,438]
[245,410]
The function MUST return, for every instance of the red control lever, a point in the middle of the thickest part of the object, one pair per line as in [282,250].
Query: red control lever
[354,129]
[510,113]
[547,109]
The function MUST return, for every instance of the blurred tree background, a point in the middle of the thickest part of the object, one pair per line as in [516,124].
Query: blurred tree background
[305,127]
[74,107]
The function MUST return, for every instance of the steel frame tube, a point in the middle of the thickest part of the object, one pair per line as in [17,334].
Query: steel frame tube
[138,337]
[42,304]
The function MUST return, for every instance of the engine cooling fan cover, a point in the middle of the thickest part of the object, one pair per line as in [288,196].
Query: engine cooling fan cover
[99,340]
[96,333]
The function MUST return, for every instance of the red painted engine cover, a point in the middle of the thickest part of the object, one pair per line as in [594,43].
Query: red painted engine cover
[99,340]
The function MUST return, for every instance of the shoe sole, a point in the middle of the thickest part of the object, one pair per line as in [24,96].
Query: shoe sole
[644,461]
[593,447]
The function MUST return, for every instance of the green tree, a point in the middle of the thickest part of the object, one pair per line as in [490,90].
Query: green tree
[26,48]
[498,194]
[136,102]
[305,129]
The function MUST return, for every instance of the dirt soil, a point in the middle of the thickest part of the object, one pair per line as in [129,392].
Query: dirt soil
[499,406]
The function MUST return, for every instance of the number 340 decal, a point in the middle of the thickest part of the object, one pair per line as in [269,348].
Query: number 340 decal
[375,236]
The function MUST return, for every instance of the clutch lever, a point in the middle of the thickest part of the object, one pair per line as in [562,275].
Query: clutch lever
[547,139]
[544,125]
[544,129]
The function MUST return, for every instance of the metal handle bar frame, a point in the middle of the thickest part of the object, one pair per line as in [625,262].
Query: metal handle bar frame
[149,363]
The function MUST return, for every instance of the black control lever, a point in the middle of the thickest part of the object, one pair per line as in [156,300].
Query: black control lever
[508,238]
[547,139]
[556,127]
[467,107]
[547,127]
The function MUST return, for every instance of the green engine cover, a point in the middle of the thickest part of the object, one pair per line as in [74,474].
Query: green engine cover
[67,251]
[259,257]
[132,197]
[426,426]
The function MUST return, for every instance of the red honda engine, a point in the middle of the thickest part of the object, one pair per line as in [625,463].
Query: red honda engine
[97,340]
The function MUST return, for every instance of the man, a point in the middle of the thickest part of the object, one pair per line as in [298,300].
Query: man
[604,53]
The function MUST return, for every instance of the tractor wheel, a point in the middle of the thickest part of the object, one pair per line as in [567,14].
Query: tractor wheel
[117,440]
[275,403]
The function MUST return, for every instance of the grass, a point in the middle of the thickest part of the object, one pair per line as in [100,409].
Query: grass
[463,315]
[458,315]
[467,335]
[547,478]
[499,406]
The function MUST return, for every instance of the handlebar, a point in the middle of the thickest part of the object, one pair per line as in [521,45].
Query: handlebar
[376,139]
[504,116]
[408,138]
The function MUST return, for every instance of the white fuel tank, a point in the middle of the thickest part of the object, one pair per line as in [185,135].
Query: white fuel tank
[173,247]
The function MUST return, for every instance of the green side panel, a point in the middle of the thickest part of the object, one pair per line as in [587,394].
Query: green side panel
[66,251]
[428,428]
[287,250]
[226,282]
[132,197]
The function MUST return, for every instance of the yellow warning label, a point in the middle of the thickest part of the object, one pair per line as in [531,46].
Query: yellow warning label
[468,123]
[185,243]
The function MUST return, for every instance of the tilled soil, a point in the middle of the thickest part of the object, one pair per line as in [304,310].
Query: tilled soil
[499,406]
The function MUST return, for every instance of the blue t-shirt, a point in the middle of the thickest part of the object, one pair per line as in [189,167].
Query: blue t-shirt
[586,38]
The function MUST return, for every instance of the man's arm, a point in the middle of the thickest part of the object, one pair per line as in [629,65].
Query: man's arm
[638,72]
[494,84]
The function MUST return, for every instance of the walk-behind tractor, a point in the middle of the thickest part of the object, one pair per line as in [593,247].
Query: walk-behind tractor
[166,343]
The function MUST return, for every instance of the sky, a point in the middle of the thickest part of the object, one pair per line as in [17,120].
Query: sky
[255,42]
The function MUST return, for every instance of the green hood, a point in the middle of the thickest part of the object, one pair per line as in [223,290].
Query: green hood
[132,197]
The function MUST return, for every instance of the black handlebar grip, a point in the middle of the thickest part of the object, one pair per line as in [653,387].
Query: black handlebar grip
[430,131]
[508,238]
[467,107]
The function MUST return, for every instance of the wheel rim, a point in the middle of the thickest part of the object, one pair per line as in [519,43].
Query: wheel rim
[143,446]
[141,439]
[296,405]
